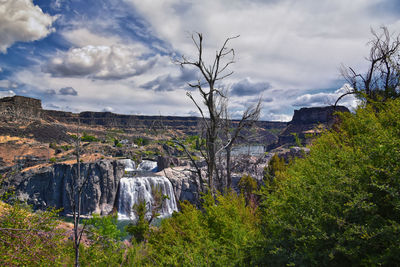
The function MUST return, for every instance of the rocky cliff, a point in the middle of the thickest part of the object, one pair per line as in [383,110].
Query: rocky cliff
[50,186]
[308,122]
[19,106]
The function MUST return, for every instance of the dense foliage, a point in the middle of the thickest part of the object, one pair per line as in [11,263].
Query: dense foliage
[28,239]
[214,236]
[341,204]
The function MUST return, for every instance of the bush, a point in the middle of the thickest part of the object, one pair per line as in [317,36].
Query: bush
[88,138]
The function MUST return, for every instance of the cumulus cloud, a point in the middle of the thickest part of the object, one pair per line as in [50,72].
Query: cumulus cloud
[100,62]
[8,84]
[7,93]
[51,106]
[324,99]
[108,109]
[247,88]
[50,92]
[283,42]
[68,91]
[170,82]
[21,20]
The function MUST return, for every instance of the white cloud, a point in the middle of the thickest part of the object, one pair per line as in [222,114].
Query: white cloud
[123,96]
[325,99]
[8,84]
[100,62]
[275,117]
[291,44]
[7,93]
[68,91]
[21,20]
[108,109]
[81,37]
[296,47]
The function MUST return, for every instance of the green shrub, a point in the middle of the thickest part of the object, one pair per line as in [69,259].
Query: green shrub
[53,146]
[88,138]
[53,160]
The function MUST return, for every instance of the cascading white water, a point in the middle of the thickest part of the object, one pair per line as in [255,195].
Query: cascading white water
[135,189]
[147,165]
[132,190]
[129,164]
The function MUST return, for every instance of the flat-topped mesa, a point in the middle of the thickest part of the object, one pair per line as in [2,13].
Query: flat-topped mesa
[316,115]
[307,123]
[21,106]
[26,107]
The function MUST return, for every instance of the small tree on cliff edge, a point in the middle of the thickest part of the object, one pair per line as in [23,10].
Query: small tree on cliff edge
[214,100]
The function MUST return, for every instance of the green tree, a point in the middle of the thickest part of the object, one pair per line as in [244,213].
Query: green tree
[105,248]
[248,185]
[140,228]
[340,205]
[214,236]
[145,213]
[29,238]
[275,166]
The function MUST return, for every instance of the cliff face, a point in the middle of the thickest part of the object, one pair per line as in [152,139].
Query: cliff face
[20,106]
[50,186]
[30,109]
[316,115]
[308,121]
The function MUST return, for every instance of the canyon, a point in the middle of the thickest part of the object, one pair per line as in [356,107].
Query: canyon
[115,184]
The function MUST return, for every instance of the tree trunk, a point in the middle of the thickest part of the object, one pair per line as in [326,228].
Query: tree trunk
[228,167]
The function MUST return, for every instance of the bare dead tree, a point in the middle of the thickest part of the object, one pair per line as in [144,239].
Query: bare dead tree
[210,95]
[231,132]
[382,79]
[76,188]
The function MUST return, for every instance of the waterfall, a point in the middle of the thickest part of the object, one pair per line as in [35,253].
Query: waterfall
[148,165]
[137,188]
[129,164]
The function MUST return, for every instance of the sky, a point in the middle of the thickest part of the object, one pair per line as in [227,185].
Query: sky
[118,55]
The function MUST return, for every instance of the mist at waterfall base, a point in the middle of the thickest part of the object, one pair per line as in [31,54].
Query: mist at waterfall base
[133,189]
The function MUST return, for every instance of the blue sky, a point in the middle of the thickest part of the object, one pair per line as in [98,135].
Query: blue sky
[116,55]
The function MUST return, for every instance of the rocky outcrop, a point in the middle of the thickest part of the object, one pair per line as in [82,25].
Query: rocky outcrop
[20,106]
[316,115]
[308,123]
[25,107]
[185,183]
[50,186]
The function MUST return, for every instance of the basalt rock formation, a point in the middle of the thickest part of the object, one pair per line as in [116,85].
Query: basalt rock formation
[26,107]
[50,186]
[307,123]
